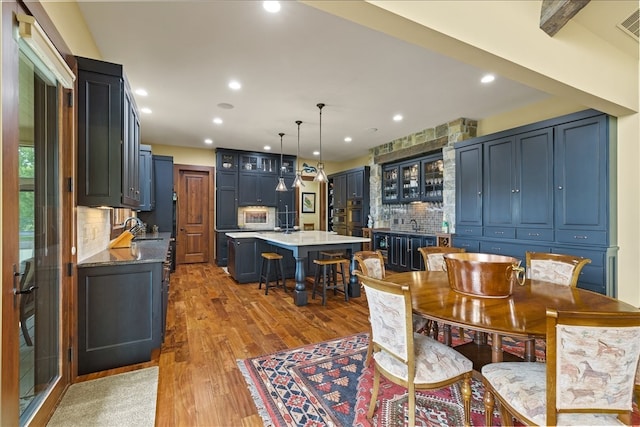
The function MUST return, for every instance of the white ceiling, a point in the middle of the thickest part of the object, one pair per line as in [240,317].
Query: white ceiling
[185,53]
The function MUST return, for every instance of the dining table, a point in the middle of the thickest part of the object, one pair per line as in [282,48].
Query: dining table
[521,315]
[301,243]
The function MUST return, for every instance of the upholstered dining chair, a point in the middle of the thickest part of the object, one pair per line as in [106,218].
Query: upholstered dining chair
[371,263]
[410,360]
[555,268]
[433,258]
[588,377]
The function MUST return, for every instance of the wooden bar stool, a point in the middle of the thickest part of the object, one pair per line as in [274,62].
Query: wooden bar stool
[269,258]
[334,268]
[328,280]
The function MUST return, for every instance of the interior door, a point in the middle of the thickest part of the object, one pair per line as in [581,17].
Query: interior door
[194,214]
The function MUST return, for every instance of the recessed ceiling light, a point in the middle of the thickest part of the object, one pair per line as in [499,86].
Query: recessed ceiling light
[267,147]
[271,6]
[316,153]
[141,92]
[235,85]
[488,78]
[397,118]
[225,105]
[217,120]
[348,139]
[208,141]
[146,110]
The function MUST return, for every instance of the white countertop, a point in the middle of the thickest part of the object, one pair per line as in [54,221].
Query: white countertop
[301,238]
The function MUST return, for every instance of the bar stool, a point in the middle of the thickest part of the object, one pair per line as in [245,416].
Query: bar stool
[269,258]
[334,268]
[328,281]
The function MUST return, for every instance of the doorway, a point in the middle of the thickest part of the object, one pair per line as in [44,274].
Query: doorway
[36,234]
[194,213]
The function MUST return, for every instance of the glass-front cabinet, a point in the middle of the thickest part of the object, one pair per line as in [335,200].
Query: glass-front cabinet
[257,163]
[390,193]
[432,179]
[410,181]
[416,180]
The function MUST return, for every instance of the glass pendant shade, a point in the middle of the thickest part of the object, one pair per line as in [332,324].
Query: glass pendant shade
[297,182]
[321,175]
[281,185]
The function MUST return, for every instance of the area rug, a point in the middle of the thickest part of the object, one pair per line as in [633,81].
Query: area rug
[327,384]
[127,399]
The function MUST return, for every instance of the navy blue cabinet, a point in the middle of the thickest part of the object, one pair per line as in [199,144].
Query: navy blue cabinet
[542,187]
[257,189]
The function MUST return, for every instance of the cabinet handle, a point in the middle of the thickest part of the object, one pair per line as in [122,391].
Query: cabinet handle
[559,187]
[496,249]
[479,193]
[580,237]
[517,190]
[513,191]
[534,234]
[498,232]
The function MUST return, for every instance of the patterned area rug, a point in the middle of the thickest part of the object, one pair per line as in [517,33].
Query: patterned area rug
[327,384]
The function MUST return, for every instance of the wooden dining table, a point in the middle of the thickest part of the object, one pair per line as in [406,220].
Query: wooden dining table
[521,315]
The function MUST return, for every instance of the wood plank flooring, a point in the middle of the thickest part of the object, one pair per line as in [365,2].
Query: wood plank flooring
[212,321]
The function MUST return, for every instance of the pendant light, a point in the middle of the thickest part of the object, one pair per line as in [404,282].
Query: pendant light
[281,185]
[297,182]
[321,175]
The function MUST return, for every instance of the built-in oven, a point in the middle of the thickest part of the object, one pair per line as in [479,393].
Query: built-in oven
[339,221]
[355,217]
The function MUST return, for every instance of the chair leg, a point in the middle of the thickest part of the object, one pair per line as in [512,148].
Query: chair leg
[507,418]
[261,274]
[466,398]
[411,406]
[488,406]
[316,279]
[374,393]
[325,278]
[344,284]
[369,347]
[266,285]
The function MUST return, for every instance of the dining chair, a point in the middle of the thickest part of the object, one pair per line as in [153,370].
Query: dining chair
[433,258]
[588,377]
[371,264]
[555,268]
[411,360]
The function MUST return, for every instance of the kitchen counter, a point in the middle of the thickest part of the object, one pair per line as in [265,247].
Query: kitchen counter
[149,249]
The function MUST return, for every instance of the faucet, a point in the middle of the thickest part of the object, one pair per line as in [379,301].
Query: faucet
[415,224]
[138,223]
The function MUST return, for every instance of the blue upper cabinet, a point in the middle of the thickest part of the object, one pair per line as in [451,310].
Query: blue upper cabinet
[518,186]
[581,181]
[469,190]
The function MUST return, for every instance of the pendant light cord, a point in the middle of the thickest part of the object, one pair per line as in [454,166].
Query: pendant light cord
[320,106]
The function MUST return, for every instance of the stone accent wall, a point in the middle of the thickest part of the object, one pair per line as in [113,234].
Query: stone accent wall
[429,216]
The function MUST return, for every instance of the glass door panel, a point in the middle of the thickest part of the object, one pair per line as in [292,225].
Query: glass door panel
[410,181]
[39,237]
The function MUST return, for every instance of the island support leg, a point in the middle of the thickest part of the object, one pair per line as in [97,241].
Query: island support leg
[300,296]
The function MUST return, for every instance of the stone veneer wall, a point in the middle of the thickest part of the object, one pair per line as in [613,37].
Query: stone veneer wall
[429,216]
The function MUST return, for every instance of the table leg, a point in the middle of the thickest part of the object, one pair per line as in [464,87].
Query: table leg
[530,350]
[300,296]
[496,348]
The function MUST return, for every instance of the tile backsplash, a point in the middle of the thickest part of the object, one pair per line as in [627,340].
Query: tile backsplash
[428,217]
[94,228]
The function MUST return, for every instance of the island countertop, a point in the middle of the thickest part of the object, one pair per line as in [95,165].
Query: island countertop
[300,238]
[144,250]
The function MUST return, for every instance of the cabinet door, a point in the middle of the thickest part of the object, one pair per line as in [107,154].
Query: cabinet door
[227,160]
[340,191]
[534,179]
[432,179]
[410,181]
[130,153]
[499,185]
[414,258]
[355,185]
[226,200]
[245,260]
[266,195]
[146,179]
[581,183]
[99,135]
[390,191]
[119,315]
[469,186]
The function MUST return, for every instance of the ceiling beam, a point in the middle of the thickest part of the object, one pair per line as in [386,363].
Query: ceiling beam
[554,14]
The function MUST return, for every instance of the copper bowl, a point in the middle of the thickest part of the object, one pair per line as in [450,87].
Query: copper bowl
[485,275]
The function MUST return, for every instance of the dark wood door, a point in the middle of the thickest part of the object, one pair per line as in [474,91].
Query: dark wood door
[195,214]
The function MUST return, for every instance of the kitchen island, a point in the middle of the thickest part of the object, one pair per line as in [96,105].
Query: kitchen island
[301,243]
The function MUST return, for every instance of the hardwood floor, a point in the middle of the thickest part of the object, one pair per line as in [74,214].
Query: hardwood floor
[212,321]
